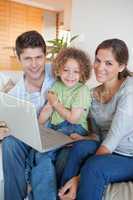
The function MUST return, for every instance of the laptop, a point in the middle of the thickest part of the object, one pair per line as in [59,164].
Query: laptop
[21,119]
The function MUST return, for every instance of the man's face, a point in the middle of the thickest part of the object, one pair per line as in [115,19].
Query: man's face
[33,61]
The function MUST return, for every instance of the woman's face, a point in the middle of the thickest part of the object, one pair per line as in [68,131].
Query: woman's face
[106,67]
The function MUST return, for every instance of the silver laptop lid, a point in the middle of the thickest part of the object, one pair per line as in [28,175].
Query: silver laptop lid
[21,119]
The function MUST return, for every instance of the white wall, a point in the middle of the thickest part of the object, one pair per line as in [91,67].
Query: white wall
[97,20]
[49,25]
[67,14]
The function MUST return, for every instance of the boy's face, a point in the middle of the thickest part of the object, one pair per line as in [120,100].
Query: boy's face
[70,73]
[33,61]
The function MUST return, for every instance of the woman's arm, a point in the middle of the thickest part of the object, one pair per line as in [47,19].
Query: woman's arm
[45,113]
[122,123]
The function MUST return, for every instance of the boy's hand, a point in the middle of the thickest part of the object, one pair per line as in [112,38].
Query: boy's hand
[76,137]
[52,98]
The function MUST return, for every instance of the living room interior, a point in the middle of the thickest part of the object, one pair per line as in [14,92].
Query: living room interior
[47,17]
[93,22]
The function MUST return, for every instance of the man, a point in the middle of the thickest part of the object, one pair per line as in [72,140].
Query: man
[37,79]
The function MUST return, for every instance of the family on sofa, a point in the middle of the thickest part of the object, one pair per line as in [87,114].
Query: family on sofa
[102,152]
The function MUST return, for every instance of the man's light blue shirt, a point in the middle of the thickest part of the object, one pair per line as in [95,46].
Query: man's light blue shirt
[37,98]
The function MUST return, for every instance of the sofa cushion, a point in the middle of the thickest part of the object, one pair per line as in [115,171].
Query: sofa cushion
[119,191]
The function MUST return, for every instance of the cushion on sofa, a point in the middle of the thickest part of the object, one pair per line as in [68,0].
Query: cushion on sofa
[119,191]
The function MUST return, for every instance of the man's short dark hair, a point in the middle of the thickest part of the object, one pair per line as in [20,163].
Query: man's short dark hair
[30,39]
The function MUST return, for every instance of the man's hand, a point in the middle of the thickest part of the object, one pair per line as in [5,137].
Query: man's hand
[69,190]
[4,130]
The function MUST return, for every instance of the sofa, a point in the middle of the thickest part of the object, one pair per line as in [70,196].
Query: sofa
[116,191]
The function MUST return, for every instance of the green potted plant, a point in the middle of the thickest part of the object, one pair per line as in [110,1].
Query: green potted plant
[57,44]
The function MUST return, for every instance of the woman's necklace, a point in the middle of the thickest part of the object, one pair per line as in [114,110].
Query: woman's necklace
[104,95]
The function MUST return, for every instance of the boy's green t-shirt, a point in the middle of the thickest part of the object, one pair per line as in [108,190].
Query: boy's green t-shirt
[77,96]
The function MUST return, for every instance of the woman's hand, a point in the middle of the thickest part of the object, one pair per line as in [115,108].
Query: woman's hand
[102,150]
[69,190]
[52,98]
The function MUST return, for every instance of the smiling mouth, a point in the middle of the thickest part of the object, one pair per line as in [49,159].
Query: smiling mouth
[70,81]
[34,70]
[100,75]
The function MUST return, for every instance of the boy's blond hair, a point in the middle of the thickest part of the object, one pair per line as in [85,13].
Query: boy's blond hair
[73,53]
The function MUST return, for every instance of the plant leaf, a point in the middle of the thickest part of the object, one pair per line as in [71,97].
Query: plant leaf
[73,38]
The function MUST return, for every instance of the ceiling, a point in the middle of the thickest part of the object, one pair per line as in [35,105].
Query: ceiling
[55,5]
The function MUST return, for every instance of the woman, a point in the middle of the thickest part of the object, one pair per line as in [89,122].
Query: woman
[92,165]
